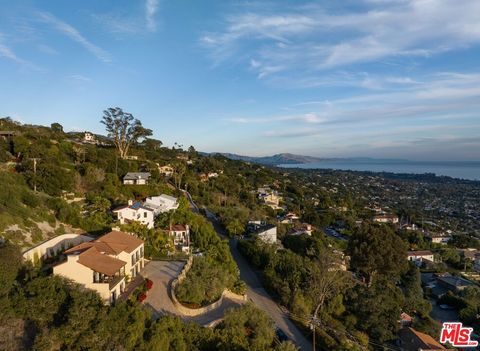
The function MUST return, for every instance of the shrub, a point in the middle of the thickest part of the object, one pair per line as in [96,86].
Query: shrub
[149,284]
[141,297]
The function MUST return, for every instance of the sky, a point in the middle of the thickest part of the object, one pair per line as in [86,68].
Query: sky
[351,78]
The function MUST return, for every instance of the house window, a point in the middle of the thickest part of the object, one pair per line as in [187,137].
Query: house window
[137,256]
[141,251]
[144,214]
[133,260]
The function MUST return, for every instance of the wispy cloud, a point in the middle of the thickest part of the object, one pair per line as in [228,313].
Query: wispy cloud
[311,39]
[75,35]
[79,78]
[151,8]
[8,53]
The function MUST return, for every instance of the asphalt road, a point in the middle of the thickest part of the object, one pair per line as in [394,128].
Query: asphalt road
[255,291]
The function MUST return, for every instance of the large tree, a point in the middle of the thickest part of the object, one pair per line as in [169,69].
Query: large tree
[123,128]
[376,249]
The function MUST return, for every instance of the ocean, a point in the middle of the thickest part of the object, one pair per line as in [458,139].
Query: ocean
[456,169]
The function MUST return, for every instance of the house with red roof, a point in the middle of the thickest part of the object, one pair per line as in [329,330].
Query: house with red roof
[104,264]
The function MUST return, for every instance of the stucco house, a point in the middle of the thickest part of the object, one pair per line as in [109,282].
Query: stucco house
[162,203]
[136,178]
[136,212]
[103,264]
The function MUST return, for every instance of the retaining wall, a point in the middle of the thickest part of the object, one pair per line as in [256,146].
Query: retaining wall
[193,312]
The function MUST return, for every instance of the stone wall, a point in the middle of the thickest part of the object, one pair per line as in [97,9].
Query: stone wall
[192,312]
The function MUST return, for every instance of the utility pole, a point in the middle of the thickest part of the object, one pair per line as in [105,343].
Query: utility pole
[35,159]
[314,321]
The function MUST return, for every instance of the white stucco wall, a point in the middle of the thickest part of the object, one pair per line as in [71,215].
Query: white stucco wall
[55,245]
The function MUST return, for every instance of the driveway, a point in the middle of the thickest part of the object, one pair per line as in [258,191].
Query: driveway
[159,301]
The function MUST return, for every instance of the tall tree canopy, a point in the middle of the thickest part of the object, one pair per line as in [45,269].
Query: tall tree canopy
[377,249]
[123,128]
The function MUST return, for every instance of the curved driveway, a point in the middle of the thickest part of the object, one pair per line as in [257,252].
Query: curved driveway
[158,299]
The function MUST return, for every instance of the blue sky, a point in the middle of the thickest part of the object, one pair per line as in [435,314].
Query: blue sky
[391,78]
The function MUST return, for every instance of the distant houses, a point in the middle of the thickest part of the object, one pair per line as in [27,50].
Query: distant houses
[385,218]
[420,257]
[136,178]
[166,170]
[303,228]
[270,197]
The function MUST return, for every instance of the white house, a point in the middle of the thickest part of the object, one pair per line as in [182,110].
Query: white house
[103,264]
[136,178]
[136,212]
[89,137]
[181,237]
[419,257]
[162,203]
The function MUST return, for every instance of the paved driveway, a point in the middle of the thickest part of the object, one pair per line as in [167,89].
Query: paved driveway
[159,301]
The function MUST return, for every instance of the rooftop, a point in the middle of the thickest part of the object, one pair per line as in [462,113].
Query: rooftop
[136,175]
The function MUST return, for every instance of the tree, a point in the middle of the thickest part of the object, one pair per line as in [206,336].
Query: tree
[326,280]
[377,249]
[56,127]
[123,128]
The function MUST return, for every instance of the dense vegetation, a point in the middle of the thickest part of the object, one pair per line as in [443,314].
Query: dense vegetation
[351,309]
[44,312]
[78,184]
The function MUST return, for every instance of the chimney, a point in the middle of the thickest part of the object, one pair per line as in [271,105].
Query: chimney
[130,202]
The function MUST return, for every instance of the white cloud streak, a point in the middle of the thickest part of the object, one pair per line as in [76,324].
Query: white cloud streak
[75,35]
[151,8]
[311,38]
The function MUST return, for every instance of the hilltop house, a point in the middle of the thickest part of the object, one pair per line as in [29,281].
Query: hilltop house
[136,178]
[420,257]
[52,247]
[181,237]
[89,137]
[103,264]
[146,212]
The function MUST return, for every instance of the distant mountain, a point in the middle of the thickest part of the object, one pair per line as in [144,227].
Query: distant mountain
[291,159]
[278,159]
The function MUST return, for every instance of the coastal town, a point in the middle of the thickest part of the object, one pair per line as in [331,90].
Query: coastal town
[193,236]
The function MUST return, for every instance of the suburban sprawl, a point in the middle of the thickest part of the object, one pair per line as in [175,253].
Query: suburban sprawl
[117,242]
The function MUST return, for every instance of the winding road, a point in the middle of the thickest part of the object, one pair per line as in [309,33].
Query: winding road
[255,291]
